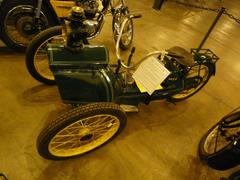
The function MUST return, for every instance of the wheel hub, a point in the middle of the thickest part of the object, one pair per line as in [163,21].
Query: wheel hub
[25,27]
[86,137]
[19,24]
[197,81]
[84,131]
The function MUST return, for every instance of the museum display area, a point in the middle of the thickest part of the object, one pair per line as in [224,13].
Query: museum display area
[157,87]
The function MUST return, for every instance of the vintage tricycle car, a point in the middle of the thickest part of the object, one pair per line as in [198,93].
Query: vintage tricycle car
[101,93]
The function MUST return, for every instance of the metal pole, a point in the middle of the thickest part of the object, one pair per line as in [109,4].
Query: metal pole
[222,10]
[158,4]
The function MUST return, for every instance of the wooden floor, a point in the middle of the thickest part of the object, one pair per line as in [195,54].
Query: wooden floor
[160,142]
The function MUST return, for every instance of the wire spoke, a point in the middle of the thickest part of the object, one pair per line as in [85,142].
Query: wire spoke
[84,135]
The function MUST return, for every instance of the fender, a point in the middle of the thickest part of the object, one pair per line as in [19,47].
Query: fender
[226,158]
[213,66]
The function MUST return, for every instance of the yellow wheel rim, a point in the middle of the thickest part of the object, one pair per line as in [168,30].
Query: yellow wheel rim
[203,73]
[83,135]
[41,61]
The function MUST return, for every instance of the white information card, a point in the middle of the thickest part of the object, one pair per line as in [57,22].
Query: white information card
[150,74]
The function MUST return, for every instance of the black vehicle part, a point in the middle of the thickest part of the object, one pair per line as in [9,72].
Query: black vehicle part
[80,130]
[17,22]
[220,146]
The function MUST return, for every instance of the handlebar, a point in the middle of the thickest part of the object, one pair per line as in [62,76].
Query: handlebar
[134,16]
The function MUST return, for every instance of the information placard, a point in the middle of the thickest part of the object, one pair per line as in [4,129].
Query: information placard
[150,74]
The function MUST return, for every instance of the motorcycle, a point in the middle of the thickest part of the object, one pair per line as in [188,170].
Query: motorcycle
[102,93]
[219,148]
[21,21]
[93,19]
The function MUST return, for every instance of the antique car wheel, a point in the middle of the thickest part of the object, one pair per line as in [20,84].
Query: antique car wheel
[81,130]
[37,58]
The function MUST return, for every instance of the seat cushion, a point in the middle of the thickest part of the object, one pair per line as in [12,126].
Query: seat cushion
[185,57]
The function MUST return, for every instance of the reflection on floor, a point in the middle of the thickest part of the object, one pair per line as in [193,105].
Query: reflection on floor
[159,142]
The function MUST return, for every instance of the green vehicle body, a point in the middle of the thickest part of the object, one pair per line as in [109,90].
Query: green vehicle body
[83,77]
[87,77]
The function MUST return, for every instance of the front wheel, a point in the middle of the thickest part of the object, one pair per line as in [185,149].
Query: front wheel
[37,58]
[220,146]
[197,77]
[127,36]
[81,130]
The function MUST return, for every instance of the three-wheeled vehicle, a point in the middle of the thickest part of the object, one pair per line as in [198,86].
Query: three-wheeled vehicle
[101,93]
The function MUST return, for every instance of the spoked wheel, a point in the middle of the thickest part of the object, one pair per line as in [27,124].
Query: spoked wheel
[127,36]
[196,78]
[18,26]
[220,146]
[37,57]
[80,130]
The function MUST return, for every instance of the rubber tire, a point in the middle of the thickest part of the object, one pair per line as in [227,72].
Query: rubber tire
[210,68]
[6,6]
[225,158]
[121,45]
[33,47]
[53,127]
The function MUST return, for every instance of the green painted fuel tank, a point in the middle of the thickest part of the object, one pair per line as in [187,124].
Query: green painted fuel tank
[82,77]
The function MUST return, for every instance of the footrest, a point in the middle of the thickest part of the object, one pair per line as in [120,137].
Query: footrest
[129,108]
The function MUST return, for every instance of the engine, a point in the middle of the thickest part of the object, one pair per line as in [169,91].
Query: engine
[85,22]
[91,7]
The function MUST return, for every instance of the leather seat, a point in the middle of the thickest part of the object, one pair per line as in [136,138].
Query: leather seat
[182,55]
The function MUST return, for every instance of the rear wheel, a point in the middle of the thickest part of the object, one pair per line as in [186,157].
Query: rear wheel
[17,23]
[81,130]
[37,57]
[219,147]
[196,78]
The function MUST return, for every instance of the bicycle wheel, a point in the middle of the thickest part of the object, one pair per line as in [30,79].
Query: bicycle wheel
[127,36]
[202,73]
[220,146]
[17,23]
[37,58]
[81,130]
